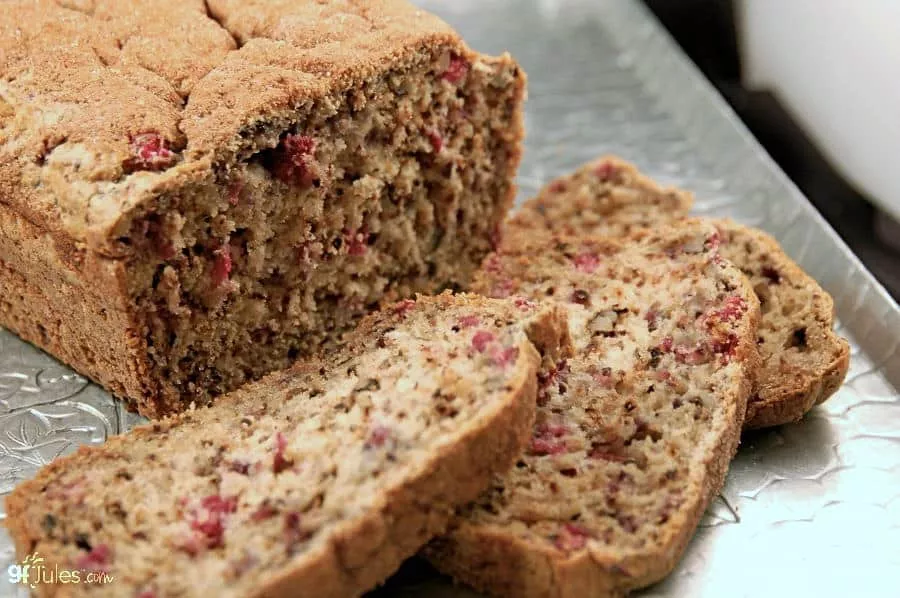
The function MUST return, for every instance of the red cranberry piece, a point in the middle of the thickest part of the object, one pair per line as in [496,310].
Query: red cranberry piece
[468,321]
[542,447]
[713,241]
[586,262]
[263,511]
[147,594]
[234,191]
[210,520]
[691,355]
[572,537]
[734,308]
[524,304]
[222,264]
[456,70]
[604,378]
[503,357]
[481,340]
[150,151]
[279,461]
[652,316]
[378,436]
[606,171]
[356,243]
[666,344]
[437,142]
[293,160]
[403,308]
[548,440]
[97,559]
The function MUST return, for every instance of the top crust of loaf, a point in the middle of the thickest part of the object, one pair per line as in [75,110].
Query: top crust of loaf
[82,79]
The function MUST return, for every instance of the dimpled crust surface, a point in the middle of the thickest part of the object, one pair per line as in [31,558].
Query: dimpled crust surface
[633,434]
[315,481]
[607,196]
[804,361]
[195,193]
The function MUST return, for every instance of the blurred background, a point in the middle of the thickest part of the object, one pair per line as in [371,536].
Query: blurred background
[810,85]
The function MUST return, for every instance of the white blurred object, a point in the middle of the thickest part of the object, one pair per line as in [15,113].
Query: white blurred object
[836,66]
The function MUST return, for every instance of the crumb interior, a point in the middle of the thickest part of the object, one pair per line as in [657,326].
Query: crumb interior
[222,500]
[394,187]
[623,427]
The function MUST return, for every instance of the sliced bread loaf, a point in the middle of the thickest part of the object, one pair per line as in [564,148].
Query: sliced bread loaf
[804,361]
[316,481]
[608,195]
[633,434]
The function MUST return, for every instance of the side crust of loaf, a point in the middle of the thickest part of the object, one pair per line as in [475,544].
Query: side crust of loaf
[366,547]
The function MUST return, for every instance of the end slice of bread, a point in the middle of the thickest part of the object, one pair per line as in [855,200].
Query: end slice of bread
[633,434]
[318,480]
[607,196]
[804,361]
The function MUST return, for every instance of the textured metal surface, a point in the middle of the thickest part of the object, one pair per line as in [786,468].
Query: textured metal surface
[808,509]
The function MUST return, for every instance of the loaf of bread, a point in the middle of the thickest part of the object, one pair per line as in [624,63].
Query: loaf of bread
[315,481]
[633,434]
[804,361]
[195,193]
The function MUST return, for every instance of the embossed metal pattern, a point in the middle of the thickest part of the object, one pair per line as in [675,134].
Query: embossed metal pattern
[808,509]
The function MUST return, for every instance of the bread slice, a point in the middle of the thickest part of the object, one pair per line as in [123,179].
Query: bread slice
[633,434]
[609,196]
[804,361]
[318,480]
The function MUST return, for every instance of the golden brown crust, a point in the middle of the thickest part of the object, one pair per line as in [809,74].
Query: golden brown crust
[365,550]
[169,67]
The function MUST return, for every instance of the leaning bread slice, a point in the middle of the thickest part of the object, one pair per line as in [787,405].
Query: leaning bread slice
[316,481]
[633,434]
[804,361]
[609,196]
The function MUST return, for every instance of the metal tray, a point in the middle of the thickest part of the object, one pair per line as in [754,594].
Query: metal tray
[808,509]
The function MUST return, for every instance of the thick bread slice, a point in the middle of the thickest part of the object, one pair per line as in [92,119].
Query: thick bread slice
[316,481]
[633,434]
[804,361]
[608,195]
